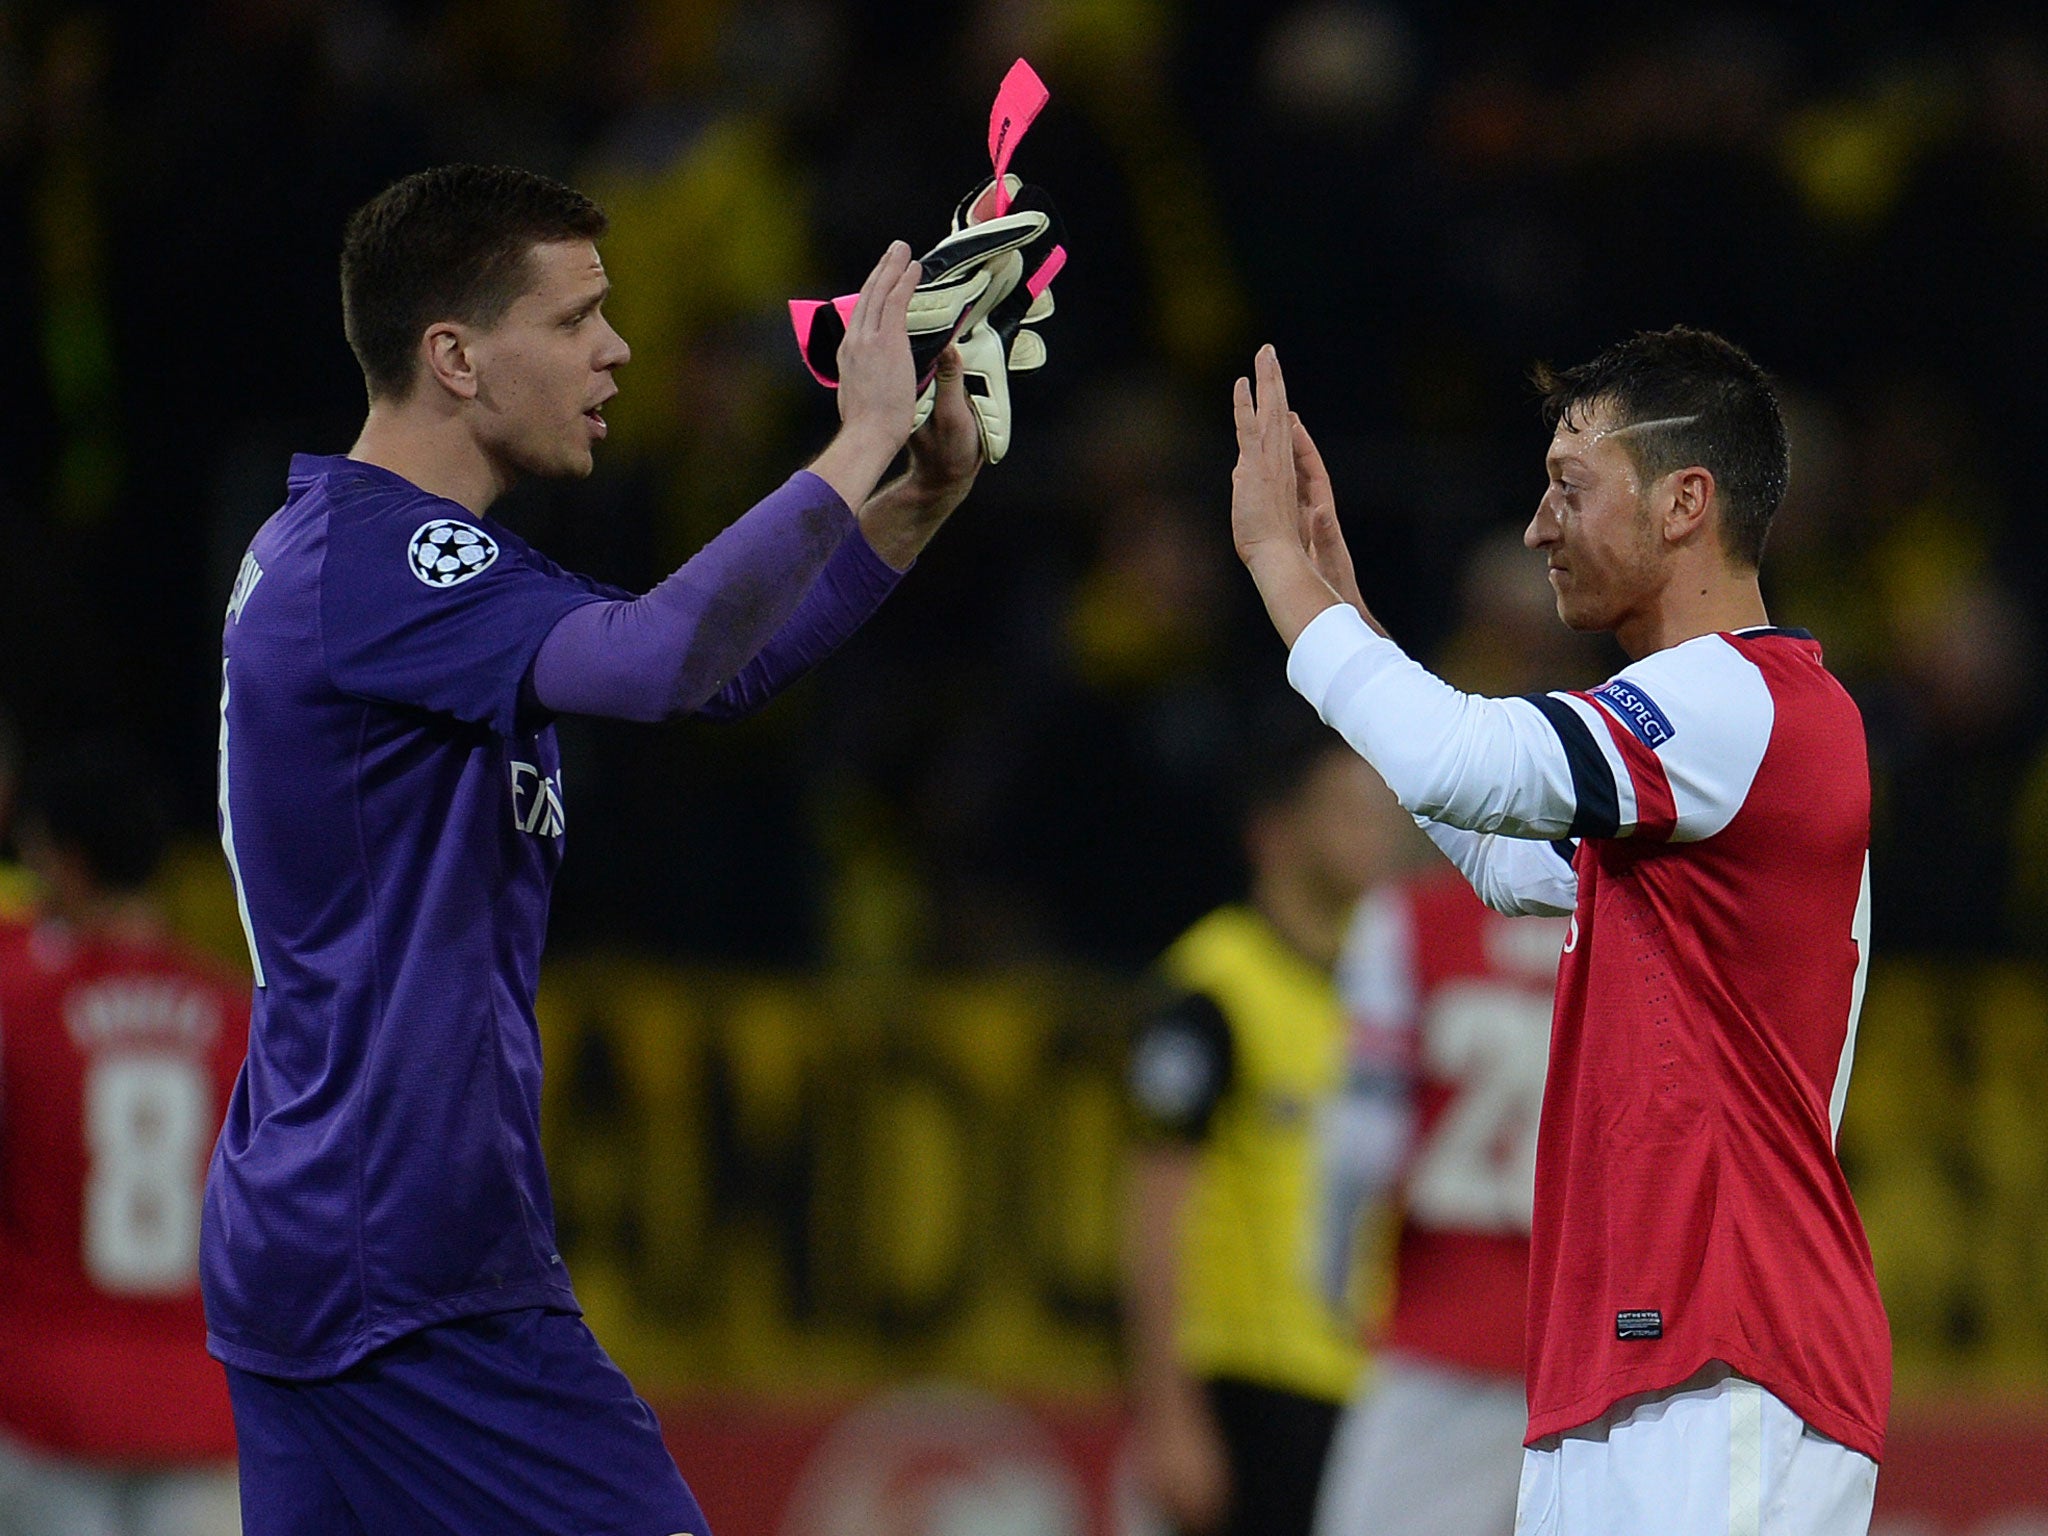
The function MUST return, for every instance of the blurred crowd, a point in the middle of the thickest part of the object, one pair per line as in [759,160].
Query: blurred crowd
[1035,751]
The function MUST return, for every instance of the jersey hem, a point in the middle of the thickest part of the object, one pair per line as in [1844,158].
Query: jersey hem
[1832,1422]
[262,1362]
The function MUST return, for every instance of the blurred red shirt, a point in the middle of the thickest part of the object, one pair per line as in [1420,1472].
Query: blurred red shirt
[116,1061]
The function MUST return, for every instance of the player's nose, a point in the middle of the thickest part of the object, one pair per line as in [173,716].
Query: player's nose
[1542,527]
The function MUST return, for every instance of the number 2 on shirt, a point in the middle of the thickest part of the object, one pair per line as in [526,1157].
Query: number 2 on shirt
[1477,1167]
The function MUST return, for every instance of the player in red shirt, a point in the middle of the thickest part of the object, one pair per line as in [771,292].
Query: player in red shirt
[118,1049]
[1707,1350]
[1449,1006]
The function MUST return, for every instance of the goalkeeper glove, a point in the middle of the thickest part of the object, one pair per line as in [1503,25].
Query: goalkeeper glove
[1043,257]
[985,375]
[994,341]
[961,279]
[980,288]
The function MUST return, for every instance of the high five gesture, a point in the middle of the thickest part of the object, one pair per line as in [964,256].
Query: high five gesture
[1283,515]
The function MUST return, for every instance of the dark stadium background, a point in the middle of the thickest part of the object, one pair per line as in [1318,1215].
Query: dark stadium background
[1024,768]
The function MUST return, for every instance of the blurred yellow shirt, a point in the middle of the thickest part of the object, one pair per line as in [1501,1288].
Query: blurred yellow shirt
[1249,1305]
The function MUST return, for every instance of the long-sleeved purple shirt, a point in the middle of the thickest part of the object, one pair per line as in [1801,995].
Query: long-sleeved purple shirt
[732,628]
[392,809]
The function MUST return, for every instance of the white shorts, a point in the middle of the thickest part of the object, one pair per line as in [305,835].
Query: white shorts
[1713,1456]
[43,1495]
[1425,1450]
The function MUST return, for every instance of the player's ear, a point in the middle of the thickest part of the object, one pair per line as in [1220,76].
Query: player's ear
[446,356]
[1691,499]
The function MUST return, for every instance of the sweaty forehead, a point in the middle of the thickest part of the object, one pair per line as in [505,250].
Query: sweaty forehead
[1587,433]
[1589,420]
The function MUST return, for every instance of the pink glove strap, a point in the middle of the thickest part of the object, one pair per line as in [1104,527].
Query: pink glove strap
[803,314]
[1019,100]
[1048,269]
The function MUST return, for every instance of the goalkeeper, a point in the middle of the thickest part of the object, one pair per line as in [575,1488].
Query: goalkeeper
[405,1352]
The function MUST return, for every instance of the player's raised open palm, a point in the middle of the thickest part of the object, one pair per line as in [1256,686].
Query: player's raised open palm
[1316,507]
[877,378]
[1283,518]
[1263,506]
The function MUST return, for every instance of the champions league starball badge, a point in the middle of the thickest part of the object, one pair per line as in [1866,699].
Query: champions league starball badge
[446,551]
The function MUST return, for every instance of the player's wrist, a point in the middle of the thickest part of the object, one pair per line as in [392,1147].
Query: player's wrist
[854,462]
[900,519]
[922,499]
[931,481]
[875,433]
[1294,592]
[1277,561]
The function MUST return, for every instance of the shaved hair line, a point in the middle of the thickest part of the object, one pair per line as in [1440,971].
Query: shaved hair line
[1644,426]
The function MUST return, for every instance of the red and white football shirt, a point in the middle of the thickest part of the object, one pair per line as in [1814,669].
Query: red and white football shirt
[1457,999]
[1690,1206]
[116,1061]
[1689,1203]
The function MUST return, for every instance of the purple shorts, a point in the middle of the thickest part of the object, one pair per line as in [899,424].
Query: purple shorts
[510,1423]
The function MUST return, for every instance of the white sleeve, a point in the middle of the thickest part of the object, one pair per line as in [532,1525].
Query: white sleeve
[1513,875]
[1365,1132]
[1667,749]
[1489,765]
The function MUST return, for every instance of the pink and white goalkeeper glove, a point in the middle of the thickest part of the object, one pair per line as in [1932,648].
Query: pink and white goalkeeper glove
[980,288]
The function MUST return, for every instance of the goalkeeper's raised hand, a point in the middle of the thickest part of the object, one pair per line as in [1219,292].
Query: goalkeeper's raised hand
[945,456]
[947,449]
[877,381]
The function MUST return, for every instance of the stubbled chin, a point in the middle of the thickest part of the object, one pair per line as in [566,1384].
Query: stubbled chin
[1576,616]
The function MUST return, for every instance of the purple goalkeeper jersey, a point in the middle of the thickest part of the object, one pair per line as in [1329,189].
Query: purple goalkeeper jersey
[393,811]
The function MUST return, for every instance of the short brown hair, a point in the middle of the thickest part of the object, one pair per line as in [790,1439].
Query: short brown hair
[451,243]
[1711,406]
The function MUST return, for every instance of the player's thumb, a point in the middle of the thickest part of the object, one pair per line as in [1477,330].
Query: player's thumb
[947,374]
